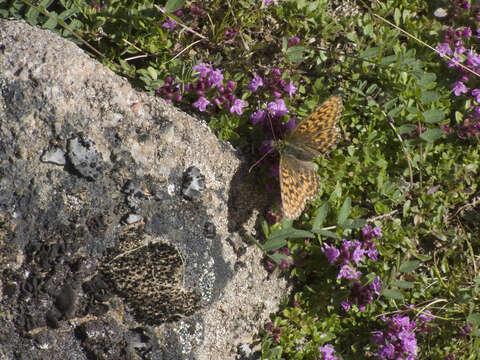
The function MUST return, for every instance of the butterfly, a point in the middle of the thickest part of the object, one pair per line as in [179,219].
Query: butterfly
[298,174]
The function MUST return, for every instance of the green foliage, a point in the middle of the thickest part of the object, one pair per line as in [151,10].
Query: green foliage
[394,166]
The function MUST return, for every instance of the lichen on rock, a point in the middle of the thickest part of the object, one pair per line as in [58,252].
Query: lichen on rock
[149,273]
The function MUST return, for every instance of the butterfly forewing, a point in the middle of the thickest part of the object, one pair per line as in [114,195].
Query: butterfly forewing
[317,132]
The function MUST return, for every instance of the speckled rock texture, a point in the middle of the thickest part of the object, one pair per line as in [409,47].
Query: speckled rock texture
[122,219]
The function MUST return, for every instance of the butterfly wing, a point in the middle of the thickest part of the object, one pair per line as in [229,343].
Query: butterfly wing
[298,184]
[317,133]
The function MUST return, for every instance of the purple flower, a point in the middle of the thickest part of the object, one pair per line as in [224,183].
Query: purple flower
[426,316]
[459,50]
[169,24]
[291,124]
[237,106]
[473,59]
[467,32]
[358,253]
[203,69]
[348,272]
[331,252]
[360,295]
[230,33]
[398,341]
[446,129]
[369,233]
[376,285]
[267,2]
[454,62]
[255,83]
[290,89]
[201,104]
[377,232]
[346,305]
[293,41]
[327,352]
[372,253]
[215,78]
[444,49]
[277,108]
[258,116]
[459,88]
[476,94]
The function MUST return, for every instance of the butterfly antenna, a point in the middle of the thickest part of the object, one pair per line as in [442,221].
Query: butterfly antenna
[258,161]
[269,151]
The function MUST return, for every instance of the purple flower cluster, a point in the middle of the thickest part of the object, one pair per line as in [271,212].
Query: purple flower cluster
[370,233]
[269,115]
[424,325]
[275,332]
[274,85]
[361,295]
[99,7]
[170,91]
[171,24]
[459,44]
[327,352]
[348,258]
[397,340]
[209,85]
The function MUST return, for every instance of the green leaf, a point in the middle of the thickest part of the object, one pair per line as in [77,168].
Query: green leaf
[396,16]
[252,239]
[32,16]
[432,134]
[320,217]
[370,53]
[409,266]
[474,318]
[152,72]
[404,129]
[403,284]
[326,233]
[295,53]
[274,244]
[173,5]
[51,23]
[433,116]
[277,238]
[345,211]
[406,207]
[278,257]
[429,96]
[353,224]
[426,79]
[392,294]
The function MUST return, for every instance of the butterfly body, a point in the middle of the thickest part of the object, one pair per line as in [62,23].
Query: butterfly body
[313,136]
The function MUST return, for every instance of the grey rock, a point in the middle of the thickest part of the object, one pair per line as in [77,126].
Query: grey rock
[132,218]
[84,157]
[193,183]
[55,156]
[167,287]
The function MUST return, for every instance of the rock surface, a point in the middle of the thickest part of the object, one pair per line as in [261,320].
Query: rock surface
[122,219]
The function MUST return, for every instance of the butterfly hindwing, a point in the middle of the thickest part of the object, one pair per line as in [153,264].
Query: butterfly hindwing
[298,184]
